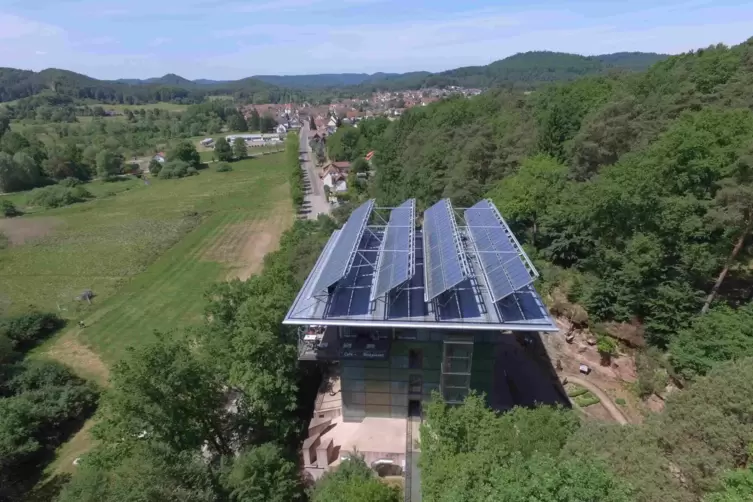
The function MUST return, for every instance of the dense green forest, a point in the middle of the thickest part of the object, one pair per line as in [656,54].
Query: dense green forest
[698,448]
[524,71]
[17,84]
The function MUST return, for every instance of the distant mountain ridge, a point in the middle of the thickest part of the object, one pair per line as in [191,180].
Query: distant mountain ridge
[523,70]
[543,65]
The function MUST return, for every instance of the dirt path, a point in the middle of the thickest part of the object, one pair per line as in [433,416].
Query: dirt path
[609,405]
[71,351]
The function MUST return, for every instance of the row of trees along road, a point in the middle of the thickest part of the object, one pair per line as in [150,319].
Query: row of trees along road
[632,192]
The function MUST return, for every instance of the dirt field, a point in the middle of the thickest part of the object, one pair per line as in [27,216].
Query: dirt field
[242,247]
[71,351]
[22,230]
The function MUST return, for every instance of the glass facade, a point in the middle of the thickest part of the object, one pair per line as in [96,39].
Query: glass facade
[419,362]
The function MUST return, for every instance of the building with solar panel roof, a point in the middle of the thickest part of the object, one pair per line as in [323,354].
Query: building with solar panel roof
[408,309]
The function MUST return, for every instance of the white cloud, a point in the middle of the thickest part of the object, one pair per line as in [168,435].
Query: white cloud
[15,28]
[472,38]
[40,53]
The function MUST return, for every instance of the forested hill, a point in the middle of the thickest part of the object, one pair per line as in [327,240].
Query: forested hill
[526,70]
[523,70]
[17,84]
[328,80]
[530,69]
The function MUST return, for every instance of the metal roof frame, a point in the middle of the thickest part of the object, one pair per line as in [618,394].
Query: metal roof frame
[376,291]
[467,306]
[462,259]
[340,270]
[520,253]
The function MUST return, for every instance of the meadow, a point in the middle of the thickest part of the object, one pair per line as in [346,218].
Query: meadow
[148,253]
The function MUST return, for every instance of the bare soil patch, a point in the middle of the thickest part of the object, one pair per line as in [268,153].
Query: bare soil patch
[615,379]
[71,351]
[21,230]
[242,246]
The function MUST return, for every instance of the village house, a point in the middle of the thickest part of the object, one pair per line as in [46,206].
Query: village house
[334,176]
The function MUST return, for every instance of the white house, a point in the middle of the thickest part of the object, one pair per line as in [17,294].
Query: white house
[281,129]
[207,141]
[332,122]
[160,157]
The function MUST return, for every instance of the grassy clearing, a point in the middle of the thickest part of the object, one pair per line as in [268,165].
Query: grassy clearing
[133,250]
[127,243]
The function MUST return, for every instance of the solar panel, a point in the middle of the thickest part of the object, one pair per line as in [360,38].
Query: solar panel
[396,263]
[445,264]
[502,258]
[342,255]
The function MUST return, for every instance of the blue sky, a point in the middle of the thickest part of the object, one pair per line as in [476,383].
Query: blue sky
[228,39]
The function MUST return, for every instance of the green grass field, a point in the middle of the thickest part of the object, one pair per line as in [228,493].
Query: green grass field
[148,253]
[132,250]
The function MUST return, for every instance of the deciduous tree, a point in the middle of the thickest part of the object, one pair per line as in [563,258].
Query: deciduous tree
[240,151]
[223,151]
[185,151]
[109,164]
[263,474]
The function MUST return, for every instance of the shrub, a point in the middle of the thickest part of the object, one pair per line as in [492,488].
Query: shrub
[653,376]
[620,401]
[606,345]
[578,391]
[586,400]
[70,182]
[8,209]
[224,167]
[58,196]
[176,169]
[155,166]
[26,330]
